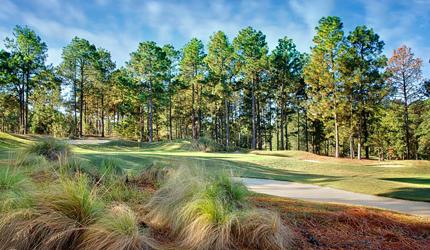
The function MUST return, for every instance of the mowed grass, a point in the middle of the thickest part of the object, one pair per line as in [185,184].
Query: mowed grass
[398,179]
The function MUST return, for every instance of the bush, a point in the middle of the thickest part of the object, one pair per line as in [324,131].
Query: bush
[50,148]
[210,211]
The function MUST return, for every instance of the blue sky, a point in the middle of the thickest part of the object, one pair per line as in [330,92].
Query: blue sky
[120,25]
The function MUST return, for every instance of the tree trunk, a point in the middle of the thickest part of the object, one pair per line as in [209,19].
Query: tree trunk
[306,131]
[170,117]
[259,134]
[150,127]
[277,134]
[298,129]
[406,117]
[287,147]
[103,116]
[282,127]
[81,102]
[200,131]
[141,123]
[193,113]
[336,131]
[227,125]
[21,108]
[254,128]
[351,146]
[27,86]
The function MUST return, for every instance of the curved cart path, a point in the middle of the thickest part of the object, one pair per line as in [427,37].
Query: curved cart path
[331,195]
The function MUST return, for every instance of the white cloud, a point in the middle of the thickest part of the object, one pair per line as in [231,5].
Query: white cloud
[120,46]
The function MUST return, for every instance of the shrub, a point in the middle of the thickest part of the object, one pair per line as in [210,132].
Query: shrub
[50,148]
[210,211]
[118,229]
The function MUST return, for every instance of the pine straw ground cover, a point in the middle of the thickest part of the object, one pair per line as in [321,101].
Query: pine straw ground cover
[68,203]
[328,226]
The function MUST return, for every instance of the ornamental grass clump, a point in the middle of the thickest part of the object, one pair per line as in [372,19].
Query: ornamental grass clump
[211,211]
[57,220]
[117,230]
[50,148]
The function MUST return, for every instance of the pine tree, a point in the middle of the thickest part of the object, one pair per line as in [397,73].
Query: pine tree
[405,70]
[192,72]
[251,54]
[322,73]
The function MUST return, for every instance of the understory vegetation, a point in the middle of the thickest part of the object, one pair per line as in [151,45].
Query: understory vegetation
[67,203]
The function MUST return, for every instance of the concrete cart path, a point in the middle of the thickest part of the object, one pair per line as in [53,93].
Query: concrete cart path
[316,193]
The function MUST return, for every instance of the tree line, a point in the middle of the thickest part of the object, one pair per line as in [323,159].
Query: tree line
[344,98]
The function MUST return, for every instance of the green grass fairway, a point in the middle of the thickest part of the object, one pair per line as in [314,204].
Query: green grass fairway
[399,179]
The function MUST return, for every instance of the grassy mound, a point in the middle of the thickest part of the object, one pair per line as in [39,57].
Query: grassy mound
[211,212]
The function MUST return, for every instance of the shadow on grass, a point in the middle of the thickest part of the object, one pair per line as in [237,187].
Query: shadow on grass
[272,154]
[6,143]
[423,181]
[244,169]
[416,194]
[125,145]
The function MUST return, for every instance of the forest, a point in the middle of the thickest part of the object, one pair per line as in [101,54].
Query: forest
[345,98]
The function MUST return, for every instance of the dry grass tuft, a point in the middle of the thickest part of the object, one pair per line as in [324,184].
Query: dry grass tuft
[153,176]
[210,211]
[57,221]
[118,230]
